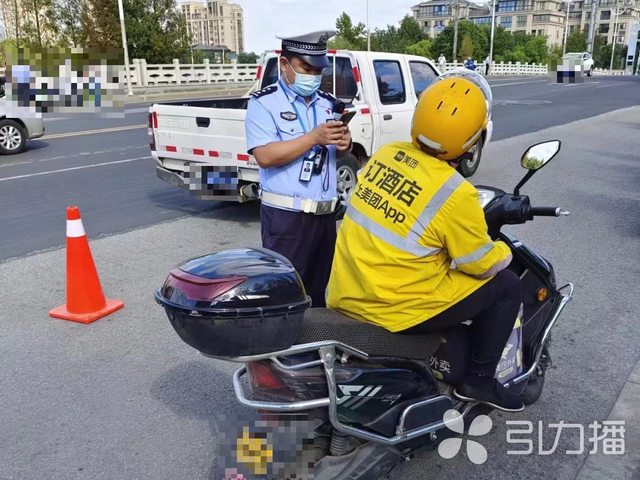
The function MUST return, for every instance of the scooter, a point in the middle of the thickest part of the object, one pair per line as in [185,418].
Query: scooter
[374,397]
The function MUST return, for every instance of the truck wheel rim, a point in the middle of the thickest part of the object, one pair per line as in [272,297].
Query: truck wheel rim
[346,183]
[10,137]
[471,163]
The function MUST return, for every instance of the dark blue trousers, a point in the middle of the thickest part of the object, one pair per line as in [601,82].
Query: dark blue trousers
[307,240]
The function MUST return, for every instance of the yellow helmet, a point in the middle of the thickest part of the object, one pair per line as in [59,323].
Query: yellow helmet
[449,118]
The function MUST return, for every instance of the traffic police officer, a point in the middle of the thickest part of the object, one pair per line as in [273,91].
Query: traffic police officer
[295,140]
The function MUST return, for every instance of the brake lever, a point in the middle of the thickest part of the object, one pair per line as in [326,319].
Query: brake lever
[564,213]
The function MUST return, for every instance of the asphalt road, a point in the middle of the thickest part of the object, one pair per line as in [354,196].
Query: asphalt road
[116,188]
[125,398]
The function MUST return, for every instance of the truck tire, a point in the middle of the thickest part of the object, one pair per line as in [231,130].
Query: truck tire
[468,167]
[12,137]
[347,173]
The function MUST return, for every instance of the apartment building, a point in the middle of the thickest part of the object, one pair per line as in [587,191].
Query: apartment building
[536,17]
[606,18]
[216,22]
[434,15]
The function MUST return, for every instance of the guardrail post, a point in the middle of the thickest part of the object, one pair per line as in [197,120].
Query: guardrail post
[235,70]
[207,75]
[176,69]
[138,76]
[143,72]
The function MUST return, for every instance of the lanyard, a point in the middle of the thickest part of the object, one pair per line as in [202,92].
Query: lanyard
[315,117]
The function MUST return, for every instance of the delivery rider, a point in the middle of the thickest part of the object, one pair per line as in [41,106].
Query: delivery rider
[412,220]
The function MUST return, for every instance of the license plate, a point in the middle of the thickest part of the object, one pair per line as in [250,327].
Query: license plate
[215,180]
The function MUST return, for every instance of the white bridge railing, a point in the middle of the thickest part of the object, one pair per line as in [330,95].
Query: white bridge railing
[503,68]
[143,74]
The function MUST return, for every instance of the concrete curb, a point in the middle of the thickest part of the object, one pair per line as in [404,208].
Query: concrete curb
[627,466]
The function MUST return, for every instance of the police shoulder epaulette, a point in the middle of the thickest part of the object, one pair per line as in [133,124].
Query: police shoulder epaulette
[326,95]
[265,91]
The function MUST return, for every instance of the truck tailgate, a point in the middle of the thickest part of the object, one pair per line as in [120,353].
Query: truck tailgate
[197,134]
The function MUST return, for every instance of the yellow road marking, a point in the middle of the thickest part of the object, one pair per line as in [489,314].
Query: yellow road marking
[91,132]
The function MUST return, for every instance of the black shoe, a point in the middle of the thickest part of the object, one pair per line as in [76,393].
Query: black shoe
[488,390]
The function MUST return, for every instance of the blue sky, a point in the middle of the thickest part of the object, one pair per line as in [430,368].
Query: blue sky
[265,18]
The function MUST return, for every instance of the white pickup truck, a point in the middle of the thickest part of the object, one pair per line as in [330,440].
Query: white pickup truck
[382,87]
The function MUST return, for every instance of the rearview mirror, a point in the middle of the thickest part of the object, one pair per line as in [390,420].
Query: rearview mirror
[539,155]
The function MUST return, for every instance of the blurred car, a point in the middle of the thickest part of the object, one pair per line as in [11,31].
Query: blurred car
[16,131]
[585,58]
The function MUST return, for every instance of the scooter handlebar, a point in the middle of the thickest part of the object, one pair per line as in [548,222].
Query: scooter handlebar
[546,212]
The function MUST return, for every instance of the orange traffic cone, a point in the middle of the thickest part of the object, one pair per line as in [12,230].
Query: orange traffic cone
[85,300]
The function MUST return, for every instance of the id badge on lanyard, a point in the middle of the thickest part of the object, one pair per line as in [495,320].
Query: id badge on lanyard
[308,162]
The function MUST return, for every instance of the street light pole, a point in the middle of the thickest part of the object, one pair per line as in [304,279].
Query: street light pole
[126,51]
[455,34]
[613,41]
[592,26]
[566,28]
[368,30]
[493,29]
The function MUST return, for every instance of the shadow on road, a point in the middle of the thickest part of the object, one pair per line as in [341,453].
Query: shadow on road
[194,391]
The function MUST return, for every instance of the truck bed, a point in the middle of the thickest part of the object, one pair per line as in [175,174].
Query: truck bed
[232,102]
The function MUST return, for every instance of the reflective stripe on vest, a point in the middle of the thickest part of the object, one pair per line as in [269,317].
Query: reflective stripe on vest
[434,206]
[388,236]
[475,256]
[410,243]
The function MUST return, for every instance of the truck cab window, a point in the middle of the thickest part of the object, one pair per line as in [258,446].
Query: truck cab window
[423,75]
[346,87]
[390,82]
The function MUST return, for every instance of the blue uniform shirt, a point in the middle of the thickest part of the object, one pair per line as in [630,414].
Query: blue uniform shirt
[271,117]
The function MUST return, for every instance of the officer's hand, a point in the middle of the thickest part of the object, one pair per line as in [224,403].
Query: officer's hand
[329,133]
[345,141]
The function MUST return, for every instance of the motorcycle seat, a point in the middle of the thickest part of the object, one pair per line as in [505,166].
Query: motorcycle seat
[322,324]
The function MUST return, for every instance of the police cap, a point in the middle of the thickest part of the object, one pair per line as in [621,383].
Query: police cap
[310,46]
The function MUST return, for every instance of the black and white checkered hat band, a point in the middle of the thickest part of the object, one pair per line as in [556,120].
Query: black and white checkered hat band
[304,48]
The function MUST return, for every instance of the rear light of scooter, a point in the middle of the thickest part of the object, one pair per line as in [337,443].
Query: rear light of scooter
[266,383]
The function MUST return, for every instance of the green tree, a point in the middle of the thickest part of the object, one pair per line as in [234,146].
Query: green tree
[537,50]
[156,30]
[444,41]
[602,59]
[555,52]
[69,17]
[466,50]
[503,42]
[39,22]
[248,57]
[101,24]
[387,40]
[577,41]
[349,36]
[410,31]
[422,49]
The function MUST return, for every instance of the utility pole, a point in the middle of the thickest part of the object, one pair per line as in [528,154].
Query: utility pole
[126,51]
[619,10]
[566,28]
[592,26]
[493,29]
[455,32]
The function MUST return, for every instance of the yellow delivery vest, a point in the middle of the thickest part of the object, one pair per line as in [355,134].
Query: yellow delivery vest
[410,216]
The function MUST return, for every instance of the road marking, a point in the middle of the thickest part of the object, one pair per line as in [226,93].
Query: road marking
[494,85]
[612,85]
[91,132]
[73,168]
